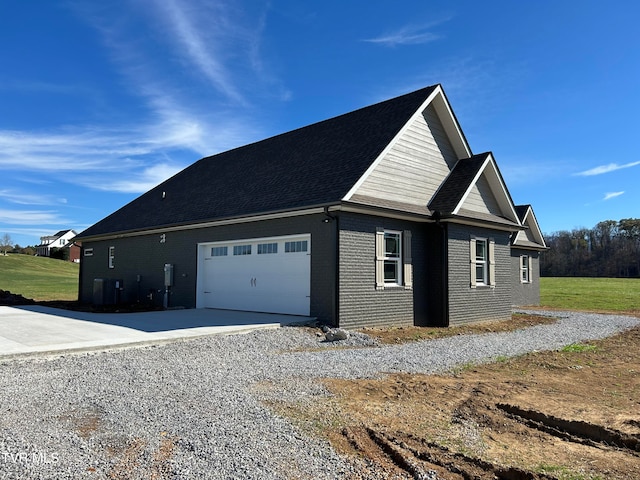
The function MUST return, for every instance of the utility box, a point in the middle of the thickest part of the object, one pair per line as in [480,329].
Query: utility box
[168,275]
[107,291]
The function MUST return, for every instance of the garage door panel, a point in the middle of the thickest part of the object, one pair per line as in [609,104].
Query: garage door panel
[267,282]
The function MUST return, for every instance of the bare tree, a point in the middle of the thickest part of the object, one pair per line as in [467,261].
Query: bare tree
[5,243]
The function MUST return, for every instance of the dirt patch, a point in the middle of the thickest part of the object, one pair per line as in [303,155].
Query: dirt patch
[570,414]
[398,335]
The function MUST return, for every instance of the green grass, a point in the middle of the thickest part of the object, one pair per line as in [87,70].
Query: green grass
[39,278]
[596,294]
[578,348]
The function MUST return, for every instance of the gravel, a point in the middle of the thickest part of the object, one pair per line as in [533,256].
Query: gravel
[195,409]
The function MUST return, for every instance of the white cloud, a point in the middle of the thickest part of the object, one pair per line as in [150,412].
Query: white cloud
[611,195]
[611,167]
[20,198]
[408,35]
[32,217]
[138,182]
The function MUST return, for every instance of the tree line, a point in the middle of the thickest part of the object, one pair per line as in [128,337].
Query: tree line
[610,249]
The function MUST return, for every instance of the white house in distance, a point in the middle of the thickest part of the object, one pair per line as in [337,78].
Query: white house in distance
[62,239]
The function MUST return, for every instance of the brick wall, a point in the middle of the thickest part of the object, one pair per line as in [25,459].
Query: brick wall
[525,293]
[360,304]
[468,304]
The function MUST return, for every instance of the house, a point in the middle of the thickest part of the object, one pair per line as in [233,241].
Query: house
[526,246]
[62,240]
[376,217]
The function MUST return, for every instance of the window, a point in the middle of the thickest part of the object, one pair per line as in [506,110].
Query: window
[266,248]
[392,273]
[525,269]
[481,262]
[482,253]
[242,250]
[293,247]
[393,259]
[88,252]
[219,251]
[112,257]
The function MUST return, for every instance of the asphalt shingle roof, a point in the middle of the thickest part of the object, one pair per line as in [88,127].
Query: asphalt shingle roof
[310,166]
[456,184]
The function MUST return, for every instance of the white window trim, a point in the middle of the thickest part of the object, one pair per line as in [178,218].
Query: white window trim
[404,260]
[88,252]
[489,278]
[525,268]
[112,257]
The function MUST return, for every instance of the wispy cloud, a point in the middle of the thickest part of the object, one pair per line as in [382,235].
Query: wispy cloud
[611,195]
[32,217]
[201,34]
[409,35]
[20,198]
[602,169]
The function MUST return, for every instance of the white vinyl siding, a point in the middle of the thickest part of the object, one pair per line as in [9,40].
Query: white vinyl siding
[481,199]
[415,166]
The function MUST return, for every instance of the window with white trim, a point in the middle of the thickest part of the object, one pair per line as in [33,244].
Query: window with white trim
[525,269]
[393,259]
[88,252]
[112,257]
[482,260]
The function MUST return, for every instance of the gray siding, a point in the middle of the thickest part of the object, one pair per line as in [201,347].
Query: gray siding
[360,304]
[481,198]
[145,256]
[415,166]
[468,304]
[525,294]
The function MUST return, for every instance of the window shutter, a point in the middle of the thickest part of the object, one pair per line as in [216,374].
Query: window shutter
[529,263]
[522,280]
[407,260]
[379,258]
[472,256]
[492,262]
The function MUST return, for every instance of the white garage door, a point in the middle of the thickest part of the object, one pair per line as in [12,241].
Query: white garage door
[259,275]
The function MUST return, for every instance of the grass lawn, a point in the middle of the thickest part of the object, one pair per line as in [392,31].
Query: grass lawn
[598,294]
[39,278]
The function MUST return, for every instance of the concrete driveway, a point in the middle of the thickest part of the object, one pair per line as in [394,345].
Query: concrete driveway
[26,330]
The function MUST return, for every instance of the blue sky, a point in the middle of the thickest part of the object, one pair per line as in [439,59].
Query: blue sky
[100,101]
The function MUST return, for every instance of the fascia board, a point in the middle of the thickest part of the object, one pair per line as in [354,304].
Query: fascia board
[470,186]
[531,221]
[207,224]
[498,188]
[451,126]
[446,117]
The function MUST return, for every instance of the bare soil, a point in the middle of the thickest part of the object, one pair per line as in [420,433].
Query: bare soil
[569,415]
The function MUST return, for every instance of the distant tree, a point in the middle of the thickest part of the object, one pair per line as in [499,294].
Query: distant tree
[5,243]
[610,249]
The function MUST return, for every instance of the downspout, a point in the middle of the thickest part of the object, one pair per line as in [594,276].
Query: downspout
[336,268]
[437,215]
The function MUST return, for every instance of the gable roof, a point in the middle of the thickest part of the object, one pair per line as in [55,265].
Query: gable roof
[450,198]
[532,237]
[316,165]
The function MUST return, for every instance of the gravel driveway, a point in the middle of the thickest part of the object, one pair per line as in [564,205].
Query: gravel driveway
[191,410]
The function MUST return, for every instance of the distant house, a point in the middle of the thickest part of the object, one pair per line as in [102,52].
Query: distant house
[63,240]
[376,217]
